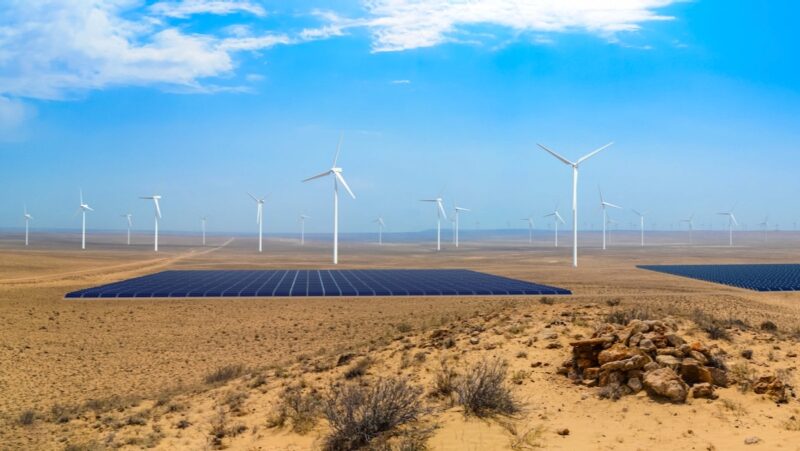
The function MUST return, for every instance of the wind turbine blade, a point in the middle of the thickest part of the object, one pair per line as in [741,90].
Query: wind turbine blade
[428,200]
[252,197]
[89,208]
[338,148]
[564,160]
[547,216]
[636,212]
[733,218]
[341,179]
[317,176]
[81,193]
[158,208]
[611,205]
[560,218]
[441,209]
[590,155]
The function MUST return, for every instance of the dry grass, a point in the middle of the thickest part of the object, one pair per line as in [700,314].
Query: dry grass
[482,390]
[224,374]
[298,408]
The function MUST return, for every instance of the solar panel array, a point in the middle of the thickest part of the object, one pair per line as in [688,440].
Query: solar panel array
[767,277]
[347,282]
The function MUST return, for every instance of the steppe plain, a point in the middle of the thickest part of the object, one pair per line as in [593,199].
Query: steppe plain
[135,373]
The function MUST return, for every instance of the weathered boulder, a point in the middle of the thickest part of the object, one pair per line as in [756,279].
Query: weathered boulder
[664,383]
[704,391]
[668,361]
[693,372]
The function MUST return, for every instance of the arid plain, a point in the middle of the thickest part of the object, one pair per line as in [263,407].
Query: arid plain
[138,373]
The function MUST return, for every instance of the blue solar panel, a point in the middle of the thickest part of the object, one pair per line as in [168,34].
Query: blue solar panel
[346,282]
[771,277]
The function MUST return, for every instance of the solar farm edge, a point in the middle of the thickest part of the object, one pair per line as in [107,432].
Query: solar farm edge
[761,277]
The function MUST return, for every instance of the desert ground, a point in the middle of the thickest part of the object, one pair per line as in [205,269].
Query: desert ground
[262,374]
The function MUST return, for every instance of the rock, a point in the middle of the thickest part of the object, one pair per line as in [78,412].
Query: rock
[692,372]
[719,377]
[751,440]
[635,339]
[583,363]
[773,387]
[665,383]
[675,340]
[613,354]
[704,391]
[791,354]
[675,352]
[553,345]
[651,366]
[344,359]
[699,356]
[548,336]
[747,354]
[591,373]
[668,361]
[647,345]
[632,363]
[474,340]
[562,432]
[635,384]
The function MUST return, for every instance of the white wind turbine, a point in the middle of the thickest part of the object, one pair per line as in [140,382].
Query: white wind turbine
[575,166]
[155,199]
[83,208]
[731,222]
[690,222]
[529,220]
[641,224]
[381,225]
[259,218]
[28,218]
[556,219]
[439,215]
[203,221]
[458,211]
[604,205]
[129,218]
[336,172]
[302,220]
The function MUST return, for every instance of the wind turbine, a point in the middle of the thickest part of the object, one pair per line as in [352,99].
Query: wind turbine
[203,221]
[439,215]
[458,210]
[529,220]
[764,225]
[28,218]
[129,217]
[381,225]
[604,205]
[259,218]
[641,224]
[155,199]
[731,222]
[302,219]
[83,208]
[336,172]
[690,222]
[575,166]
[556,219]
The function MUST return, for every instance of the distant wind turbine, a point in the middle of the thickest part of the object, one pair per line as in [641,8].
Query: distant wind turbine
[556,219]
[381,225]
[731,222]
[203,221]
[28,218]
[439,215]
[259,218]
[641,224]
[302,219]
[82,209]
[574,166]
[336,172]
[458,211]
[764,224]
[155,199]
[129,218]
[690,222]
[529,220]
[604,205]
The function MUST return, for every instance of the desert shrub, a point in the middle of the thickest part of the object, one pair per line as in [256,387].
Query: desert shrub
[61,413]
[301,409]
[404,328]
[624,317]
[613,302]
[235,400]
[224,374]
[483,390]
[519,376]
[221,429]
[769,326]
[358,369]
[357,414]
[713,327]
[444,381]
[547,301]
[137,419]
[743,375]
[522,355]
[27,417]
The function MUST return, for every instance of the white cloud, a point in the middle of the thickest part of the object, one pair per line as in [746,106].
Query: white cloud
[13,115]
[407,24]
[52,49]
[401,82]
[187,8]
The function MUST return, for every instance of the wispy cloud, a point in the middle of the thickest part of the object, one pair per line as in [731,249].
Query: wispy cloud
[187,8]
[398,25]
[401,82]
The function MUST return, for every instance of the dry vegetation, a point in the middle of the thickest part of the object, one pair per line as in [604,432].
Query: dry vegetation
[379,374]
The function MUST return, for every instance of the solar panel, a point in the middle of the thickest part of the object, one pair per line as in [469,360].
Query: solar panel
[763,277]
[304,283]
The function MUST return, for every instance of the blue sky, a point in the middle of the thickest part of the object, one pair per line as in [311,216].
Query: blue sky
[202,101]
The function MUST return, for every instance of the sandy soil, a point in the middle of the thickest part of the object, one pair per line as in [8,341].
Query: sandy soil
[104,361]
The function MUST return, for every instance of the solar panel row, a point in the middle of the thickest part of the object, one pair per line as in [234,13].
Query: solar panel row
[269,283]
[765,277]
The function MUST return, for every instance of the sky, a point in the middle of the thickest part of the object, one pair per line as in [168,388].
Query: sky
[203,101]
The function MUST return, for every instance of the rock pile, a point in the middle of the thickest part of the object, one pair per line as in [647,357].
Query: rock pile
[646,355]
